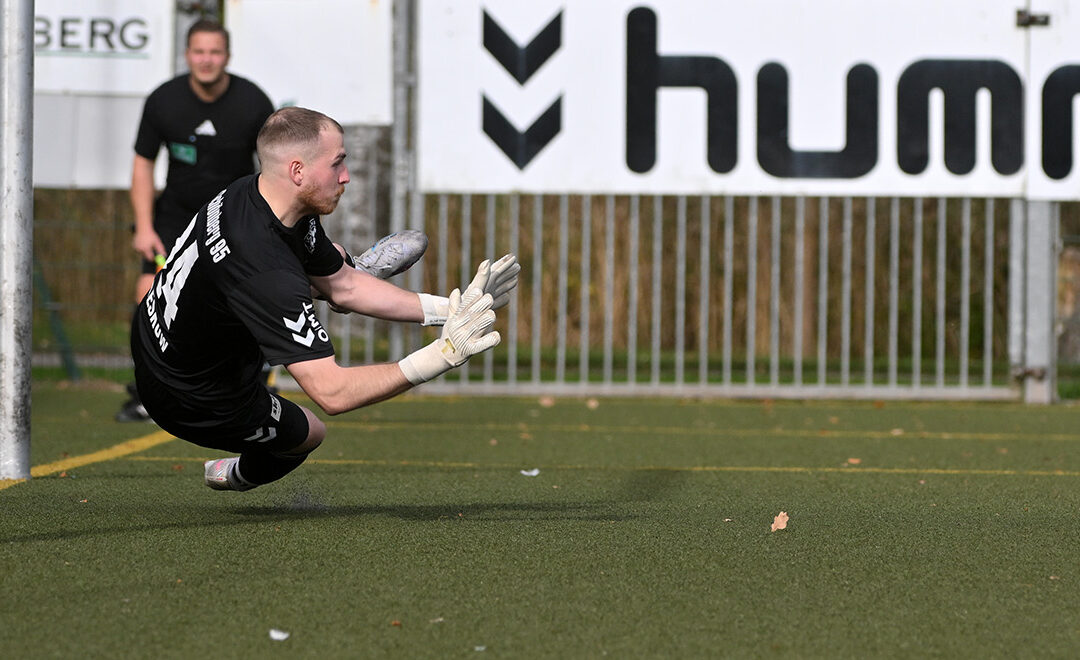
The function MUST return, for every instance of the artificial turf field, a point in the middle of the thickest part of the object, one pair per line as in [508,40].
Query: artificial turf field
[915,530]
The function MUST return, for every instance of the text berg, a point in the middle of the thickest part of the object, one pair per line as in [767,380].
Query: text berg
[90,35]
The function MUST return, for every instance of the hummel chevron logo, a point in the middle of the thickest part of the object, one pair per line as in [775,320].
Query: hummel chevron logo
[522,147]
[262,435]
[522,63]
[298,325]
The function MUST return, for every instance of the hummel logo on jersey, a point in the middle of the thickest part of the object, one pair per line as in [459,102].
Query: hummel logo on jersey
[309,238]
[206,128]
[307,317]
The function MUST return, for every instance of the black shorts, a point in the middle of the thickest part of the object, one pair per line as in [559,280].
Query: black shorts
[170,221]
[269,423]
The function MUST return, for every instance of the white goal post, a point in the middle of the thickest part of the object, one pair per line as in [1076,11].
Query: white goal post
[16,234]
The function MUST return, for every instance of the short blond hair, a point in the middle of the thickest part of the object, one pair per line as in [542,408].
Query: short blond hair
[292,126]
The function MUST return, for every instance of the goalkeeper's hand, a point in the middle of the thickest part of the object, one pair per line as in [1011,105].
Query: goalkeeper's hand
[465,334]
[498,280]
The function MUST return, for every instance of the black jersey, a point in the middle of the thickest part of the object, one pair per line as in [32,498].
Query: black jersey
[210,145]
[234,291]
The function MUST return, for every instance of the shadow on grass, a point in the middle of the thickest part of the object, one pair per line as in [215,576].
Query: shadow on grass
[502,511]
[196,518]
[625,504]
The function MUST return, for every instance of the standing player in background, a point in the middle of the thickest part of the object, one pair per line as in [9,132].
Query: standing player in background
[208,120]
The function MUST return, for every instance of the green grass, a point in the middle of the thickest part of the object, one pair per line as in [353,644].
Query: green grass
[915,530]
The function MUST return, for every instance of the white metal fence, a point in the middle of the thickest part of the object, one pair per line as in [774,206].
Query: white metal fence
[760,297]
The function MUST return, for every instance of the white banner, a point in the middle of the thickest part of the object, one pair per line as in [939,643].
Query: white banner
[834,97]
[102,47]
[334,56]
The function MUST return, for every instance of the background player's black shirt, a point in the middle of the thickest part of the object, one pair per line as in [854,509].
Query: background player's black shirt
[234,290]
[210,145]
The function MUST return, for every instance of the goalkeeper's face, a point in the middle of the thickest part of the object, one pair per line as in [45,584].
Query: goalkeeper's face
[325,174]
[207,56]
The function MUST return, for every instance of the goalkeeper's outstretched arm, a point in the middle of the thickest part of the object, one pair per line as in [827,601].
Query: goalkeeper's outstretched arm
[467,331]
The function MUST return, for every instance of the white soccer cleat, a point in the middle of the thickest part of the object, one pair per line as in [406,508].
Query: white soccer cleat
[220,475]
[393,254]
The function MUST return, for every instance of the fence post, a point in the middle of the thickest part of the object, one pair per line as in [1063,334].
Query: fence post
[1040,301]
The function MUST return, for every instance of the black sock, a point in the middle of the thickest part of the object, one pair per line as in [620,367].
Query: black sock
[263,467]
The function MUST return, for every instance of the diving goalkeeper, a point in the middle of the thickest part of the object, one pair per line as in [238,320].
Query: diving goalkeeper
[237,289]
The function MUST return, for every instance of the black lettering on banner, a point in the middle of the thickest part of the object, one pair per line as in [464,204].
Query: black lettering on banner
[960,80]
[42,32]
[95,35]
[774,152]
[521,147]
[647,72]
[67,43]
[101,27]
[1057,120]
[133,34]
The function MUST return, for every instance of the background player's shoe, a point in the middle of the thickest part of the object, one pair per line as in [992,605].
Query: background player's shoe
[133,411]
[393,254]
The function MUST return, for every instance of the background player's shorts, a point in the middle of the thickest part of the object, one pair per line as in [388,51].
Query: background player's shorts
[170,221]
[269,423]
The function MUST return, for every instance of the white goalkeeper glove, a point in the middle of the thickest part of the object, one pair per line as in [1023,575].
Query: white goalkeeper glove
[498,280]
[465,334]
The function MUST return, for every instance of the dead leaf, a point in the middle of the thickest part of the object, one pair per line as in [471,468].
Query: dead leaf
[780,521]
[395,623]
[178,467]
[592,404]
[547,401]
[896,432]
[854,461]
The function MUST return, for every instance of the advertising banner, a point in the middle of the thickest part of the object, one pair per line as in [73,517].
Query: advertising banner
[834,97]
[102,47]
[334,56]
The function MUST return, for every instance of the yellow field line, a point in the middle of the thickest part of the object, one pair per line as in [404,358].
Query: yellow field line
[660,468]
[524,427]
[116,451]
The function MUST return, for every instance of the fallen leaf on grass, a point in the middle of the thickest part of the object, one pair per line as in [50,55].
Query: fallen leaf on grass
[780,521]
[896,432]
[592,404]
[278,635]
[854,461]
[178,467]
[531,473]
[547,401]
[395,623]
